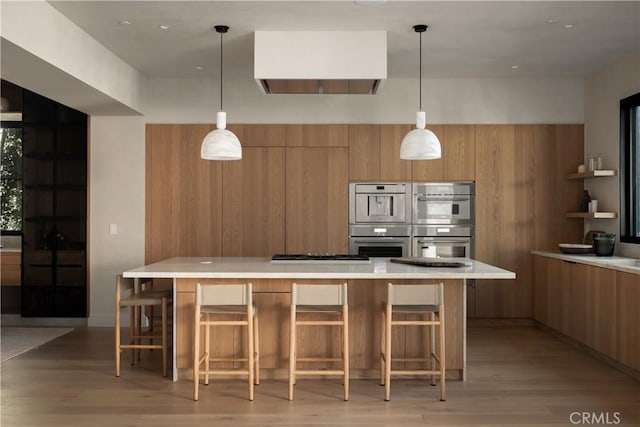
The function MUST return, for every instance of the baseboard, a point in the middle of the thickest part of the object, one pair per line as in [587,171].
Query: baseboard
[103,319]
[590,351]
[17,320]
[477,322]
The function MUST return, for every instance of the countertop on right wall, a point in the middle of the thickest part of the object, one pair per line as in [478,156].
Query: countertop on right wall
[628,265]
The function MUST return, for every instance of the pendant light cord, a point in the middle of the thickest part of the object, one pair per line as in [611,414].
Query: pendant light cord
[420,77]
[221,72]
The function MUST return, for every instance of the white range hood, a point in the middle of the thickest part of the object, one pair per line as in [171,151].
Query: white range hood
[320,62]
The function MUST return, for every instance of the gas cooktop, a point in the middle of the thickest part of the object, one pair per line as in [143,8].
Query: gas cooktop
[337,258]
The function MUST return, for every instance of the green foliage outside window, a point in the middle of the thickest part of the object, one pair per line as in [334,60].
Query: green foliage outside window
[11,179]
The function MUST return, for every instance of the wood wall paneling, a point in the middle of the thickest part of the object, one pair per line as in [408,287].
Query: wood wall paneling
[317,135]
[392,168]
[253,203]
[317,199]
[364,152]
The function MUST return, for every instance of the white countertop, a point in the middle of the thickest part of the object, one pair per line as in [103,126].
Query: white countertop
[263,268]
[628,265]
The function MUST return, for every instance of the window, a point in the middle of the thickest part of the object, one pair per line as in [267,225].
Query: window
[11,178]
[630,169]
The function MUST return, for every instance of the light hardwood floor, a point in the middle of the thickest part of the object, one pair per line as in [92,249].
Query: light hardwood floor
[518,375]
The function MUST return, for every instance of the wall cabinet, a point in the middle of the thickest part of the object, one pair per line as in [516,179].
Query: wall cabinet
[54,280]
[374,154]
[595,306]
[253,203]
[317,200]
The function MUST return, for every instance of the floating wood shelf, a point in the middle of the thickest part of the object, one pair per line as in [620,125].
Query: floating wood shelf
[595,215]
[592,174]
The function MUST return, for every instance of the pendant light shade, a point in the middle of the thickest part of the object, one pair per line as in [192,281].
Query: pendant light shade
[221,144]
[420,143]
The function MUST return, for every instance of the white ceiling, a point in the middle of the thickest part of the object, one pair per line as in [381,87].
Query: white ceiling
[465,38]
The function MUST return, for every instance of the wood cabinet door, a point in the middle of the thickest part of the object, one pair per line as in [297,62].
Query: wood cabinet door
[600,307]
[458,153]
[541,289]
[627,319]
[504,217]
[317,199]
[430,170]
[392,168]
[364,152]
[253,222]
[183,192]
[317,135]
[522,195]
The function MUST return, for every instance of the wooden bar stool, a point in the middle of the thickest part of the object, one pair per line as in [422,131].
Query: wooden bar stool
[330,299]
[425,304]
[222,305]
[136,299]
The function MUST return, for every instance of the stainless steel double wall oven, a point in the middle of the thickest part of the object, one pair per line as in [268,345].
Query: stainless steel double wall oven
[380,219]
[412,219]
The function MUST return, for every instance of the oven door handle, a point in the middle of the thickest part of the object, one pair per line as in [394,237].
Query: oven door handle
[378,239]
[442,199]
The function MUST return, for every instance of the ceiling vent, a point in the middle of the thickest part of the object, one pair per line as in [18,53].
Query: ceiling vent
[320,62]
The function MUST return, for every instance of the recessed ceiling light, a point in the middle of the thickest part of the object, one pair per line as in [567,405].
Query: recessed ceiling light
[515,67]
[199,67]
[164,27]
[125,22]
[552,21]
[568,26]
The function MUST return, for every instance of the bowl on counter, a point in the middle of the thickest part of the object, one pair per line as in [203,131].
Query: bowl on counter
[575,248]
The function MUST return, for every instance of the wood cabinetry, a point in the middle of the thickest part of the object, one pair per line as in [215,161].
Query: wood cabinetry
[10,271]
[317,177]
[595,306]
[374,154]
[273,299]
[197,207]
[183,194]
[253,203]
[392,167]
[364,152]
[317,199]
[521,197]
[627,349]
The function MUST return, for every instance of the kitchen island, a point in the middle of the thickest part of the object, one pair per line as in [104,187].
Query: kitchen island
[271,286]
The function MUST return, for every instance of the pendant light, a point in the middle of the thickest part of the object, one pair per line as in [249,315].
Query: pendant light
[221,144]
[420,143]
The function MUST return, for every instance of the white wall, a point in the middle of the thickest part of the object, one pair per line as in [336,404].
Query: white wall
[116,197]
[446,101]
[603,91]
